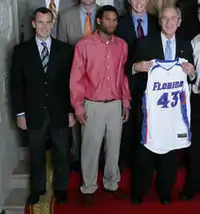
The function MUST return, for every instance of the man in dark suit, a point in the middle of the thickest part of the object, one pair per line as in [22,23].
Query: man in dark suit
[39,83]
[135,24]
[150,48]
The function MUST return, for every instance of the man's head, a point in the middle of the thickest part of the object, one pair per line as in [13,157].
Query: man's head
[107,19]
[87,3]
[138,6]
[170,20]
[42,22]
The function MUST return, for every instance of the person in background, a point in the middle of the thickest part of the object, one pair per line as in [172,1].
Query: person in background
[100,96]
[133,25]
[192,185]
[78,22]
[41,97]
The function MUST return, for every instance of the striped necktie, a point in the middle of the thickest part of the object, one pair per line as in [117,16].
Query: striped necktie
[44,56]
[52,7]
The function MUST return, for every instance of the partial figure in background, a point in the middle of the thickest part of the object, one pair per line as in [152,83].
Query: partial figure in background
[56,6]
[77,22]
[192,185]
[118,4]
[154,6]
[100,96]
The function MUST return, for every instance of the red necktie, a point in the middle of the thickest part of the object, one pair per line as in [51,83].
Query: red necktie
[140,32]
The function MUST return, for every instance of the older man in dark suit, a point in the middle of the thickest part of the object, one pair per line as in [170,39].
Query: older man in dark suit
[39,82]
[149,48]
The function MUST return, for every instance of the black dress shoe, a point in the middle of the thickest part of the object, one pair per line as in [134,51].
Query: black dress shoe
[165,199]
[137,200]
[35,197]
[61,197]
[186,196]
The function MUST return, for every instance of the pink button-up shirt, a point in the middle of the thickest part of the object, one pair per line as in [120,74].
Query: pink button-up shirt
[98,71]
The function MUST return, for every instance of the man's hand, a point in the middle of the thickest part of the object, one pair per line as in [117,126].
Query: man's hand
[72,120]
[143,66]
[125,115]
[21,122]
[188,68]
[82,118]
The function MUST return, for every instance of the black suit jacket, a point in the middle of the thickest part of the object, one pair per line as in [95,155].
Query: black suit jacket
[126,30]
[150,48]
[33,91]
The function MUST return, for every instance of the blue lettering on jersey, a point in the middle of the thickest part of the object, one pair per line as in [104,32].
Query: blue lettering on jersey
[167,85]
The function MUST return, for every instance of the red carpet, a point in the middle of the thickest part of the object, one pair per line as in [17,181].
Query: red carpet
[107,204]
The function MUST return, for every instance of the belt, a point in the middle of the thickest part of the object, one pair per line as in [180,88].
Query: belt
[102,101]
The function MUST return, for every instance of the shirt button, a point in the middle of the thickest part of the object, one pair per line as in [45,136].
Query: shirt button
[45,83]
[108,78]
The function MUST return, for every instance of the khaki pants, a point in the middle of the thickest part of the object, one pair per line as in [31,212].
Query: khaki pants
[104,119]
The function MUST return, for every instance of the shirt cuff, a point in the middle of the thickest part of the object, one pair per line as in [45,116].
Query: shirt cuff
[21,114]
[133,70]
[79,110]
[192,77]
[126,104]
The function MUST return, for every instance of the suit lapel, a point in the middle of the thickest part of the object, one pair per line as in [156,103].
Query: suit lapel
[35,56]
[131,24]
[179,51]
[160,52]
[52,55]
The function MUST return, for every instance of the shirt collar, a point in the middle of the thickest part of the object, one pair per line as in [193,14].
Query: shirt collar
[164,38]
[83,10]
[98,39]
[47,41]
[144,17]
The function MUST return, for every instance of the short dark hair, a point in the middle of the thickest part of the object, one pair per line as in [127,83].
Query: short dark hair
[106,8]
[43,10]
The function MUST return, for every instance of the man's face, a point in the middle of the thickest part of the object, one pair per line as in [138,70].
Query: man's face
[108,23]
[88,2]
[43,24]
[139,6]
[170,21]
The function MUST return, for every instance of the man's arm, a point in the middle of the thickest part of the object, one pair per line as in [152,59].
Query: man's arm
[17,81]
[126,97]
[17,88]
[77,80]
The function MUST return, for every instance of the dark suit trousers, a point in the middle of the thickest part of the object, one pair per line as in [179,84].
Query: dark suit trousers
[147,163]
[193,152]
[60,156]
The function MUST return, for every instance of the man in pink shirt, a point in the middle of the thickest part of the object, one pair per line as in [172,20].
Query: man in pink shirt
[100,95]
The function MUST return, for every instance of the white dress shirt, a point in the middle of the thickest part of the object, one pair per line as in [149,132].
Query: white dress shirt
[105,2]
[57,2]
[40,46]
[173,44]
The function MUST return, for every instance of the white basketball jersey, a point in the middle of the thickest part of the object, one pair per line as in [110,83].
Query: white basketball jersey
[166,108]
